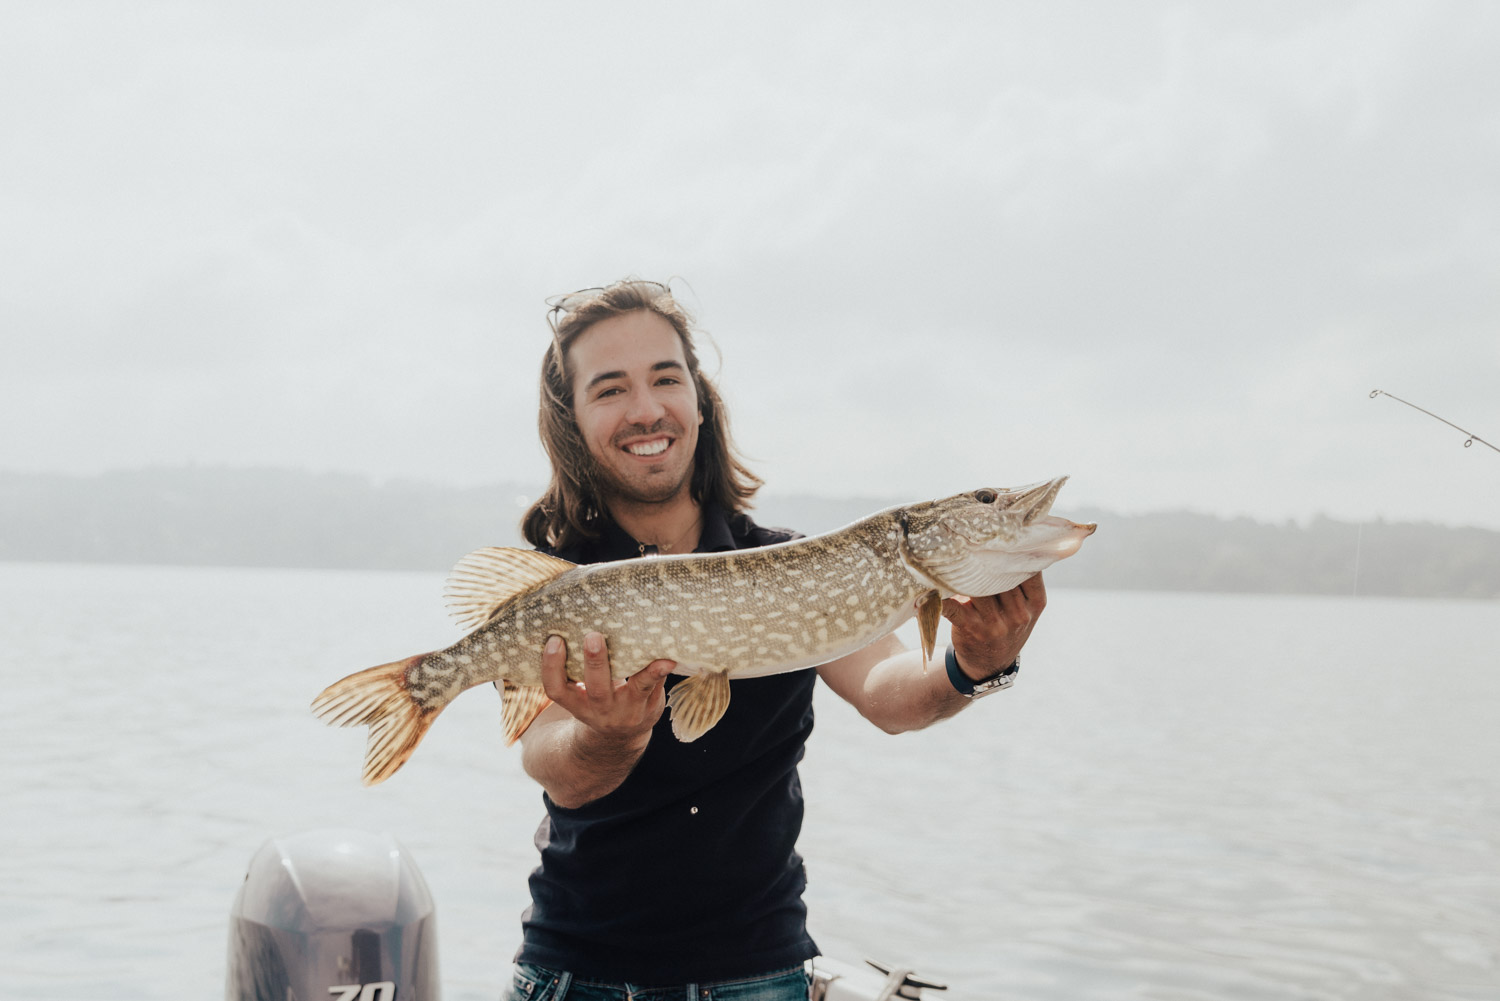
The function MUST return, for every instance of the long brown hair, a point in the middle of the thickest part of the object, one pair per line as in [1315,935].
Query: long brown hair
[572,507]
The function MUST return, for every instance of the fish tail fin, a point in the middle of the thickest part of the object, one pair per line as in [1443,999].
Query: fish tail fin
[379,698]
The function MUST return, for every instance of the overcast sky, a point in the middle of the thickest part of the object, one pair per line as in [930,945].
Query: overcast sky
[1168,248]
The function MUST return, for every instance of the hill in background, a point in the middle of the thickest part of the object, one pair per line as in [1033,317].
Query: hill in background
[281,518]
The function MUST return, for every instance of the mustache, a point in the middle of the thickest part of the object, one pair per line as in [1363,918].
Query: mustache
[665,426]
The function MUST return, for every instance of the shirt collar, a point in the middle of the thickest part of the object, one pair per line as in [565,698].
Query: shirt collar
[716,536]
[617,544]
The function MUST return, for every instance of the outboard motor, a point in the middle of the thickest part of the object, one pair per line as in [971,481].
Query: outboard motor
[332,915]
[834,980]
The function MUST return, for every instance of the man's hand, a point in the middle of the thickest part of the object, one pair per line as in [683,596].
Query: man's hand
[620,710]
[587,742]
[988,632]
[892,688]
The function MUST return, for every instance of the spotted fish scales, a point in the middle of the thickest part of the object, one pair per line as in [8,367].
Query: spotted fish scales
[719,616]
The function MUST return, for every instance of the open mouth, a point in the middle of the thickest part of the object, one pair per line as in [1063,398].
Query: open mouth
[649,447]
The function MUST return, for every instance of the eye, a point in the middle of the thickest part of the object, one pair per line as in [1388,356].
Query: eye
[986,496]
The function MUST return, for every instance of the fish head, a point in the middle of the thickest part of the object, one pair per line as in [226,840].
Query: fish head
[987,540]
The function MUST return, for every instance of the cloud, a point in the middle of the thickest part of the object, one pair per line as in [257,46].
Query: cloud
[1165,247]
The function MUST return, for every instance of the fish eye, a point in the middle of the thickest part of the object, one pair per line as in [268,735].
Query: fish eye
[986,496]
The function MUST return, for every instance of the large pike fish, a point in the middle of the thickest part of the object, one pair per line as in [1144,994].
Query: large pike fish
[720,616]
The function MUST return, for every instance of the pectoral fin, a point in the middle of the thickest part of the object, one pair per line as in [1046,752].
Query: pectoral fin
[519,705]
[697,703]
[929,611]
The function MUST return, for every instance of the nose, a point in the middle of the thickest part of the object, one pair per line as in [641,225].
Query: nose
[645,408]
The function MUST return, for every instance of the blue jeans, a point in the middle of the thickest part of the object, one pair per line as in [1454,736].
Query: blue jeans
[536,983]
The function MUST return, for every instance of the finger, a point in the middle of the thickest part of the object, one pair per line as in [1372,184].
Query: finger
[1012,605]
[555,670]
[1036,594]
[649,679]
[985,614]
[597,682]
[988,619]
[955,606]
[1020,606]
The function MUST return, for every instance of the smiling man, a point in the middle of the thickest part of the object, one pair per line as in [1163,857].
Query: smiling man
[668,866]
[639,420]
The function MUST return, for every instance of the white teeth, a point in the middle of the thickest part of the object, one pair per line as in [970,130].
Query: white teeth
[648,447]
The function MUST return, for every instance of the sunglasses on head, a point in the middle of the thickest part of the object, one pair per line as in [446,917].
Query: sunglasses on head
[565,304]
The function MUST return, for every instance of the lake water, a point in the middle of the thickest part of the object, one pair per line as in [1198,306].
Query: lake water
[1184,797]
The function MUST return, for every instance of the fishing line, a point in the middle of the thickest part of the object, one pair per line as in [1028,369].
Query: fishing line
[1469,441]
[1359,545]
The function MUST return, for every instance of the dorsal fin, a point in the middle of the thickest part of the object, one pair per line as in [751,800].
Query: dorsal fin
[487,578]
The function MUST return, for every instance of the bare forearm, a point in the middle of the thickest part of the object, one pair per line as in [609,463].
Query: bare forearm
[900,696]
[576,764]
[584,745]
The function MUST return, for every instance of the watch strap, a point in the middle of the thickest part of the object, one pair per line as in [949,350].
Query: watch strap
[969,688]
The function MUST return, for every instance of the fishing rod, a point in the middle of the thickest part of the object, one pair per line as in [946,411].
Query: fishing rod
[1469,441]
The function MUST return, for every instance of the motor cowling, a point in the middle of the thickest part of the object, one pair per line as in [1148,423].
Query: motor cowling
[333,915]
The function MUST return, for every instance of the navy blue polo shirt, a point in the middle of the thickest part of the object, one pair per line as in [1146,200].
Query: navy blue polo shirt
[688,871]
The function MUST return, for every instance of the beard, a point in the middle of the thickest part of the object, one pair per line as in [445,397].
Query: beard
[656,490]
[644,486]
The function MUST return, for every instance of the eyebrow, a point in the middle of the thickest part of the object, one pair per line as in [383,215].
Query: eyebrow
[660,366]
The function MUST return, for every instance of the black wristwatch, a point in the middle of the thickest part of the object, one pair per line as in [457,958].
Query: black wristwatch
[979,689]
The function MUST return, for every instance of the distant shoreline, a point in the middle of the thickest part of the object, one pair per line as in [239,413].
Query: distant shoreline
[269,518]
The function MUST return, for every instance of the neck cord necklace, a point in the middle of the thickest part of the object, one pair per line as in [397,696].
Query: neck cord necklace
[695,528]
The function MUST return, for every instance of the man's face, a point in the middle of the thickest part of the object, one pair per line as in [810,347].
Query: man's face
[636,406]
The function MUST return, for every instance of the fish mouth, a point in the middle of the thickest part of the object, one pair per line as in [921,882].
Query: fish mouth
[1032,503]
[1035,500]
[992,540]
[1045,539]
[1055,538]
[1002,564]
